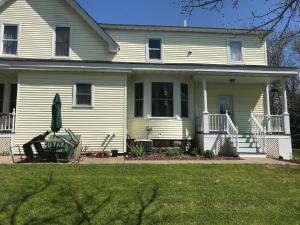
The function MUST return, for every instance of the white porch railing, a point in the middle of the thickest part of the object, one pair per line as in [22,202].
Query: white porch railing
[217,122]
[270,123]
[7,122]
[223,123]
[258,133]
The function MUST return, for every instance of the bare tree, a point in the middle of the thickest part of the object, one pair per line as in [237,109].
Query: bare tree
[286,12]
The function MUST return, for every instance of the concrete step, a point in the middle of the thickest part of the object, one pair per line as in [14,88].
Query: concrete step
[252,155]
[248,150]
[247,144]
[246,140]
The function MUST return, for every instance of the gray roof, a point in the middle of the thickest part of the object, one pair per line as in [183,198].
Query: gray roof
[185,29]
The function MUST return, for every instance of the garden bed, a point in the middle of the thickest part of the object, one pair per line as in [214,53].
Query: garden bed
[157,156]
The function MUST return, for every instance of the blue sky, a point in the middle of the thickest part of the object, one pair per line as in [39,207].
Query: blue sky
[168,12]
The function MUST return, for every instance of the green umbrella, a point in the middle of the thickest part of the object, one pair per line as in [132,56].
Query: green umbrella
[56,123]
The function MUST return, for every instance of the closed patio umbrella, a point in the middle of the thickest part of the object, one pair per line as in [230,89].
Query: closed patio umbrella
[56,123]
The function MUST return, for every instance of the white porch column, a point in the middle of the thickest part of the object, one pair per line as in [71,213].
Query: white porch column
[267,107]
[285,113]
[205,114]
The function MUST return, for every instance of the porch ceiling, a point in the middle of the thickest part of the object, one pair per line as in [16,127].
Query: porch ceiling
[8,75]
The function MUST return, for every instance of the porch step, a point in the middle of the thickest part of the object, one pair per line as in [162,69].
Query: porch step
[252,155]
[247,144]
[246,140]
[248,150]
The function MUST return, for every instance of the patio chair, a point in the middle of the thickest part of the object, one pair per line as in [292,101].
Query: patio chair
[76,140]
[64,149]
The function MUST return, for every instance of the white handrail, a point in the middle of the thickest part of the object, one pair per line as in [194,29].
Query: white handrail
[7,122]
[271,123]
[258,133]
[232,131]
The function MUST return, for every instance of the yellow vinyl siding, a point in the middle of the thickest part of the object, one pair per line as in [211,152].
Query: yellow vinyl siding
[37,19]
[246,98]
[162,128]
[206,48]
[107,117]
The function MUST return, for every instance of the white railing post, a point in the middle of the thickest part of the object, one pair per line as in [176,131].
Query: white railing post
[205,114]
[286,116]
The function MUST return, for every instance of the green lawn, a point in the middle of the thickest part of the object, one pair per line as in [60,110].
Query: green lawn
[149,194]
[296,154]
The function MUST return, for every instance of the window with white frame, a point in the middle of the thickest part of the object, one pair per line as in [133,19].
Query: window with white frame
[10,39]
[154,49]
[184,89]
[236,51]
[162,99]
[62,41]
[139,99]
[83,94]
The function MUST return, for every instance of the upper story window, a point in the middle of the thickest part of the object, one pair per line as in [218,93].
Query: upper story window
[154,49]
[10,39]
[236,52]
[138,99]
[83,95]
[62,41]
[184,88]
[162,99]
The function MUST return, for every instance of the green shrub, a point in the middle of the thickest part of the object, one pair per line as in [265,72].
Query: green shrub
[174,152]
[137,151]
[209,154]
[194,153]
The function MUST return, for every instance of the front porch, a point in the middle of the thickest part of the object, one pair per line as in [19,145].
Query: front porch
[252,133]
[8,100]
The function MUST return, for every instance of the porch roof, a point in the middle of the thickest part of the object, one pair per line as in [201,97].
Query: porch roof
[193,70]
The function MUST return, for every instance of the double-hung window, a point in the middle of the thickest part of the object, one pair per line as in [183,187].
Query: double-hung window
[62,41]
[138,99]
[162,100]
[236,52]
[154,49]
[83,95]
[10,40]
[184,88]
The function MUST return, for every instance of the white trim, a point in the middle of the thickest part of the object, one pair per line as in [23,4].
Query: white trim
[229,52]
[125,114]
[74,100]
[54,41]
[161,49]
[18,25]
[266,53]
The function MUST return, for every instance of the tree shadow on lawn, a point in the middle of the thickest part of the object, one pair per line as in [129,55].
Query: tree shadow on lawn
[83,208]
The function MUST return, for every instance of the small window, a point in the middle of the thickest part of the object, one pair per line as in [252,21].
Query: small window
[236,53]
[139,100]
[162,100]
[10,40]
[62,41]
[83,94]
[1,97]
[154,46]
[184,100]
[13,97]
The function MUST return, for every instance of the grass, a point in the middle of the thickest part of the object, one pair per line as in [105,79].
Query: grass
[149,194]
[296,154]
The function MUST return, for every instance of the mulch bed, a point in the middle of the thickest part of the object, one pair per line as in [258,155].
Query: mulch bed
[181,157]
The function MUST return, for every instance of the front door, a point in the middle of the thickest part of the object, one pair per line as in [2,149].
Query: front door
[226,104]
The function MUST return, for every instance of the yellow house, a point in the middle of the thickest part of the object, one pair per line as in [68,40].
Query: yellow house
[206,86]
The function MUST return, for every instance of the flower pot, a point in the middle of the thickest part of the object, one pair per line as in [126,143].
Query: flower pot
[114,153]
